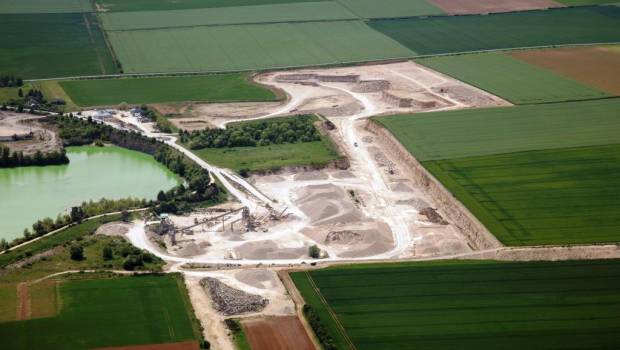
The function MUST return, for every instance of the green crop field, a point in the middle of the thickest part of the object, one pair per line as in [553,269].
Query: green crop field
[511,79]
[270,157]
[506,30]
[53,45]
[211,88]
[476,132]
[535,174]
[163,5]
[109,312]
[295,12]
[469,304]
[247,47]
[548,197]
[391,8]
[45,6]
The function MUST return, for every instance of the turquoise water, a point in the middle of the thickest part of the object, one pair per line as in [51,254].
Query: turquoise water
[28,194]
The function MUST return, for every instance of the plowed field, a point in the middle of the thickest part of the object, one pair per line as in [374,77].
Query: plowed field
[595,66]
[278,333]
[460,7]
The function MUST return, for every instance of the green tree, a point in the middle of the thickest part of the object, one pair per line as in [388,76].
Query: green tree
[20,93]
[125,216]
[76,252]
[314,251]
[77,214]
[107,253]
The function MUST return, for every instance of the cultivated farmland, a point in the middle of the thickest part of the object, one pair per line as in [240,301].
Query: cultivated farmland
[295,12]
[554,196]
[163,5]
[511,79]
[462,7]
[45,6]
[109,312]
[212,88]
[247,47]
[53,45]
[506,30]
[595,66]
[537,174]
[391,8]
[469,305]
[476,132]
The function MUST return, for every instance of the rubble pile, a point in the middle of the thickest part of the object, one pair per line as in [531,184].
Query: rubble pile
[433,216]
[231,301]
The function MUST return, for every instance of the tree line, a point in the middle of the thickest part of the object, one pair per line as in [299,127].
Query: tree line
[10,159]
[257,133]
[10,81]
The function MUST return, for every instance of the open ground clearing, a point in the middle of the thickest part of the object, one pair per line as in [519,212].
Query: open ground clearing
[53,45]
[467,305]
[45,6]
[162,5]
[595,66]
[468,7]
[99,312]
[293,12]
[437,35]
[514,80]
[220,87]
[445,135]
[247,47]
[278,333]
[16,124]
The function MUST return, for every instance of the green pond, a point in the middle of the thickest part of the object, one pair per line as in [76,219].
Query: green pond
[31,193]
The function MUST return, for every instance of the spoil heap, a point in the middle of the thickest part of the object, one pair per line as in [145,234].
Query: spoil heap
[230,301]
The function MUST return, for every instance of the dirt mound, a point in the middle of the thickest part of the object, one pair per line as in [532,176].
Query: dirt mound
[343,237]
[401,187]
[433,216]
[370,86]
[231,301]
[190,249]
[327,204]
[268,249]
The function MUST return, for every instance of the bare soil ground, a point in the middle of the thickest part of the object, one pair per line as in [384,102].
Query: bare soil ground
[462,7]
[32,135]
[277,333]
[23,306]
[594,66]
[114,229]
[186,345]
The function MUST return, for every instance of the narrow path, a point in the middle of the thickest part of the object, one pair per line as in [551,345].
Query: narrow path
[24,305]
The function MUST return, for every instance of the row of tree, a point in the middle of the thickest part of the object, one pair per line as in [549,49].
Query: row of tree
[259,133]
[10,159]
[10,81]
[76,215]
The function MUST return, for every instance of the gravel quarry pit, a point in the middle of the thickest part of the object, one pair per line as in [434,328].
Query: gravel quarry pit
[393,88]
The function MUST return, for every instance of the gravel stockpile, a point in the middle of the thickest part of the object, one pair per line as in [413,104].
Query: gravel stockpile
[231,301]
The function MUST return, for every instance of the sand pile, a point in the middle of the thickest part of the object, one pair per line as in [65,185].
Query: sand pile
[326,204]
[268,249]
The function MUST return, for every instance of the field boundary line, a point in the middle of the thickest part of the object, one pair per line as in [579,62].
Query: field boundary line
[343,332]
